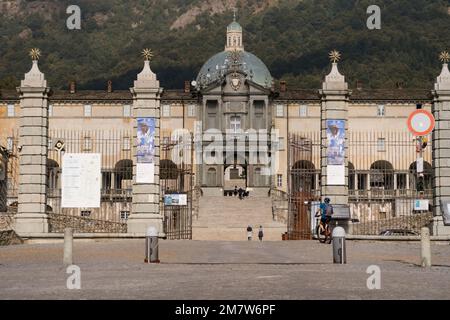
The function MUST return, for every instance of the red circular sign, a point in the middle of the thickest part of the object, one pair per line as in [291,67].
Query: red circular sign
[421,122]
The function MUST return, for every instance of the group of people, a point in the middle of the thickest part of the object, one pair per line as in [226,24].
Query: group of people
[250,233]
[241,192]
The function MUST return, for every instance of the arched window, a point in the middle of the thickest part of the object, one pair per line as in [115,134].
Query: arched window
[426,183]
[303,176]
[123,172]
[382,175]
[53,174]
[168,170]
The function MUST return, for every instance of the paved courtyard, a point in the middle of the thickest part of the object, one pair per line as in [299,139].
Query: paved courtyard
[224,270]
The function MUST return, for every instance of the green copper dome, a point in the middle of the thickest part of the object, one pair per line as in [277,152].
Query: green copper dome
[234,26]
[218,65]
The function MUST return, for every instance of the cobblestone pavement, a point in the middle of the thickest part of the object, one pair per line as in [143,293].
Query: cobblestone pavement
[224,270]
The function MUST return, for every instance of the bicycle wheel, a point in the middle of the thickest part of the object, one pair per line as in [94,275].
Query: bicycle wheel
[328,235]
[321,235]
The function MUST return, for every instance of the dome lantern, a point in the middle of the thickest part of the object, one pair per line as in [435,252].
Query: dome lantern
[234,40]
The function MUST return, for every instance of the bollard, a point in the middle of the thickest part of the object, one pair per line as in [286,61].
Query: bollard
[426,247]
[339,248]
[151,246]
[68,246]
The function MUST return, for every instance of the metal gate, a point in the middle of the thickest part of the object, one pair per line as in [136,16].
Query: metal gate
[116,186]
[9,175]
[176,183]
[303,186]
[384,186]
[386,193]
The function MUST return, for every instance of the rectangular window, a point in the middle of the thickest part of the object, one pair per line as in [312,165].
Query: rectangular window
[87,144]
[362,181]
[280,110]
[211,111]
[124,215]
[87,110]
[165,112]
[50,144]
[303,111]
[381,144]
[11,111]
[381,111]
[279,180]
[192,110]
[50,110]
[401,181]
[235,124]
[127,111]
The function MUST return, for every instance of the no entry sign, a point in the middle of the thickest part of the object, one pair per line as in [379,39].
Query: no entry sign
[420,122]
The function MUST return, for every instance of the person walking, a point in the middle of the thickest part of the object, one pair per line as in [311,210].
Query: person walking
[240,191]
[249,232]
[260,233]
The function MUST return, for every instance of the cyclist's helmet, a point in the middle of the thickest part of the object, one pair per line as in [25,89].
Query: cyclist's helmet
[327,200]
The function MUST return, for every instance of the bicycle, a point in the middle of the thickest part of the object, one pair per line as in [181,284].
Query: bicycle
[323,233]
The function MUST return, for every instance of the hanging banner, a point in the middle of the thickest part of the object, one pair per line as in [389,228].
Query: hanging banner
[335,152]
[145,150]
[336,142]
[81,180]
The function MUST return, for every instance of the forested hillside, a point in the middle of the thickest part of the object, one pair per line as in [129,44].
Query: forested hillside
[292,37]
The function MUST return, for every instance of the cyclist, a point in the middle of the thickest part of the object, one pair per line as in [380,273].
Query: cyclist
[325,211]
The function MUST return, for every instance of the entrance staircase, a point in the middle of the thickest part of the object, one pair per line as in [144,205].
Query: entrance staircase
[226,218]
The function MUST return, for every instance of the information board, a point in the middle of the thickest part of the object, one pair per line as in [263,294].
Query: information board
[175,199]
[81,180]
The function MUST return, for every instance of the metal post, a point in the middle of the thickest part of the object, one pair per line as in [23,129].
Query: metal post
[426,247]
[151,246]
[68,246]
[339,247]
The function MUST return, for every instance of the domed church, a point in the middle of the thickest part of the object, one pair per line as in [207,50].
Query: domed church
[234,58]
[349,143]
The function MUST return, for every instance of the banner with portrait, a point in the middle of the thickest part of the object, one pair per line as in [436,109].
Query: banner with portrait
[145,150]
[336,142]
[335,152]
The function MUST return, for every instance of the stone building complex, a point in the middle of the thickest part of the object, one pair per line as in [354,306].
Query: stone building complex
[234,93]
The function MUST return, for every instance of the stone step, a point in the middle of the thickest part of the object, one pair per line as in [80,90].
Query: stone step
[227,218]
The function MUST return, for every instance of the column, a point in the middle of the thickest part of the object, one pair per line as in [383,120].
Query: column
[146,195]
[33,136]
[334,107]
[441,147]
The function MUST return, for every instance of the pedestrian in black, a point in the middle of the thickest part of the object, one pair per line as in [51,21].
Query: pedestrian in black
[249,232]
[240,191]
[260,233]
[235,191]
